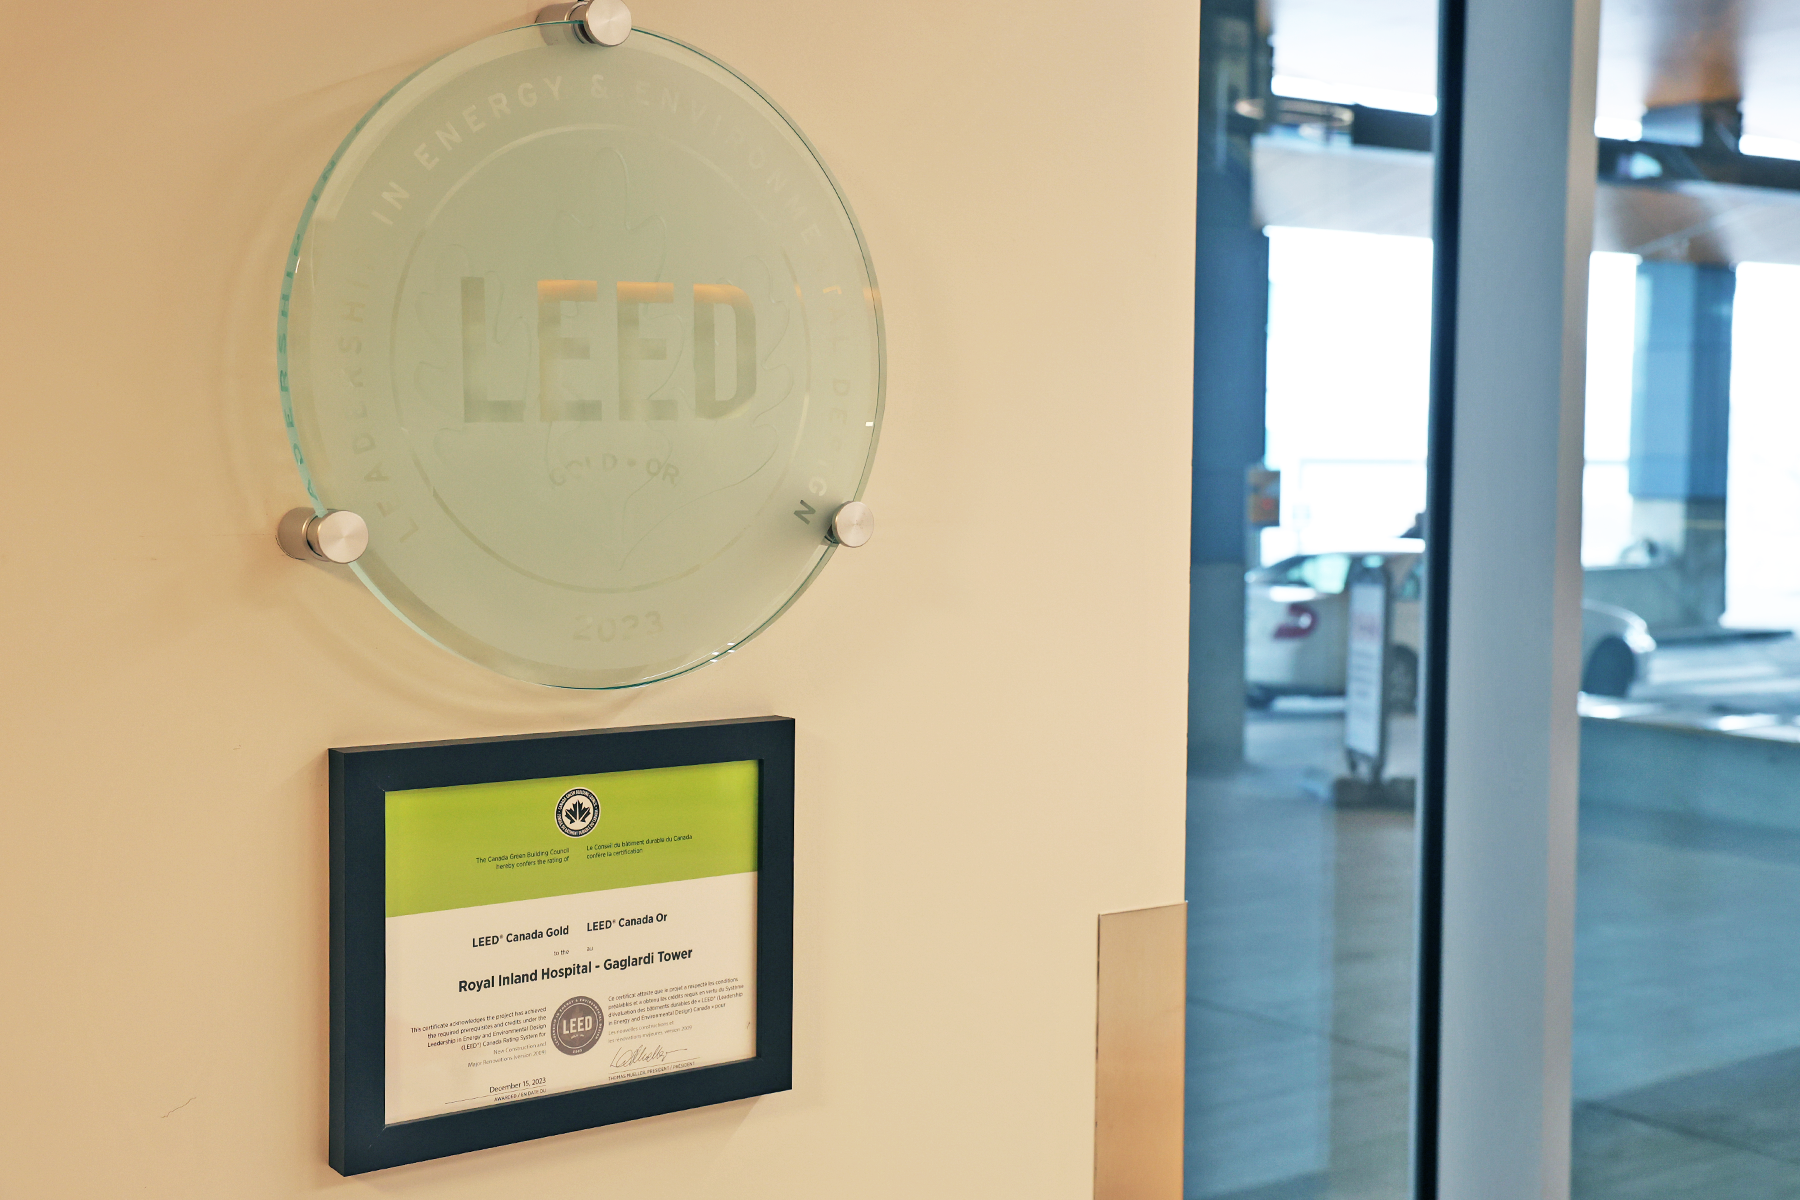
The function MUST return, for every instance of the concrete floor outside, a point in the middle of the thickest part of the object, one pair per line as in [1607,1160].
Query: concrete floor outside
[1687,1042]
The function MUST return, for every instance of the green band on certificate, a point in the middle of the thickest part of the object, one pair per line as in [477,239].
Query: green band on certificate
[490,843]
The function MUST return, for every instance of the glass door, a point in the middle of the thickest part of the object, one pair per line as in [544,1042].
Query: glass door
[1687,969]
[1312,394]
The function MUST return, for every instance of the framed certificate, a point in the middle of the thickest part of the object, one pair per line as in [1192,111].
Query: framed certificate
[540,934]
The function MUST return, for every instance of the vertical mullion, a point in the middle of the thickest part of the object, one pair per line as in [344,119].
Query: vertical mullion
[1447,146]
[1498,787]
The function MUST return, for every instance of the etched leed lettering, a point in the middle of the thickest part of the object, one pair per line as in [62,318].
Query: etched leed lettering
[573,327]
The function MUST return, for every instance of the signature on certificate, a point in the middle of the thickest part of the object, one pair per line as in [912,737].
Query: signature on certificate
[632,1056]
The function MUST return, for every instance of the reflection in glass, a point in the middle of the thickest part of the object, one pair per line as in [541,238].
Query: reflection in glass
[1687,1028]
[1313,297]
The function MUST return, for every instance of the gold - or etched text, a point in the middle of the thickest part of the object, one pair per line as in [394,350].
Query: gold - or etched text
[642,396]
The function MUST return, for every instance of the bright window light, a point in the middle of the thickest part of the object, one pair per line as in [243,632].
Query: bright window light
[1298,88]
[1762,502]
[1768,147]
[1619,128]
[1611,352]
[1612,347]
[1348,387]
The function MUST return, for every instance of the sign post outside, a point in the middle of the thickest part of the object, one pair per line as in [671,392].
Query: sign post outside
[1366,698]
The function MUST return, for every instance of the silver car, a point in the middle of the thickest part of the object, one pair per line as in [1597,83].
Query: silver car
[1296,631]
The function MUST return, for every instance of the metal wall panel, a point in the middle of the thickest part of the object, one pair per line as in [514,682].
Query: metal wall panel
[1138,1068]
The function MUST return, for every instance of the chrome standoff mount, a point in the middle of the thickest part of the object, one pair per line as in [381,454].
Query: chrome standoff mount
[338,536]
[602,22]
[852,525]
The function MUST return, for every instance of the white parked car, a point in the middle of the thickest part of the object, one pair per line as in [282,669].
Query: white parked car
[1296,631]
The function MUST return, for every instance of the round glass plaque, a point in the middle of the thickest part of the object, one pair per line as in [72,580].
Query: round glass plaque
[590,339]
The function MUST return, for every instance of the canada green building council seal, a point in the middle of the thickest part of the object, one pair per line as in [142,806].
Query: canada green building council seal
[577,812]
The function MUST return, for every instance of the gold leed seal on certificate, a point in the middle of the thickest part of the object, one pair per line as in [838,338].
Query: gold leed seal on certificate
[577,1025]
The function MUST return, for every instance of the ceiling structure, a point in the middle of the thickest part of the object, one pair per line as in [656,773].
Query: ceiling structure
[1388,44]
[1389,191]
[1652,52]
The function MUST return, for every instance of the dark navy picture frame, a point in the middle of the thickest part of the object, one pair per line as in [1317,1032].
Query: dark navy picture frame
[360,1139]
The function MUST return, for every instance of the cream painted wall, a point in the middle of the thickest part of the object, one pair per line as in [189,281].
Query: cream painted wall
[990,696]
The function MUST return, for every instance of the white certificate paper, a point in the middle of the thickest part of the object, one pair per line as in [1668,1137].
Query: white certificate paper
[511,975]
